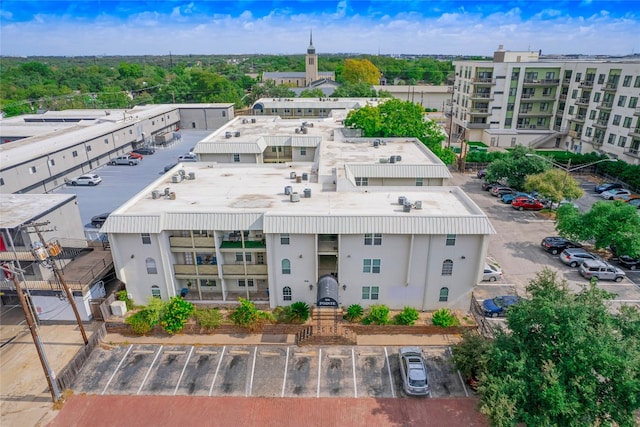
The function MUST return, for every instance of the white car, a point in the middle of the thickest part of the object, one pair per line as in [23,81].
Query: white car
[89,179]
[188,158]
[491,273]
[611,194]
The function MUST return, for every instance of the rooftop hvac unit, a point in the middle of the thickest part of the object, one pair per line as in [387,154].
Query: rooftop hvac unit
[406,207]
[155,194]
[172,196]
[384,160]
[298,179]
[307,193]
[237,133]
[244,121]
[401,200]
[294,197]
[192,175]
[398,158]
[418,204]
[376,143]
[167,191]
[305,176]
[288,190]
[253,120]
[292,175]
[392,159]
[176,178]
[304,130]
[227,134]
[182,173]
[297,130]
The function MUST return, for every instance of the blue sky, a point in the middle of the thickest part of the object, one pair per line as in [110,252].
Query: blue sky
[113,27]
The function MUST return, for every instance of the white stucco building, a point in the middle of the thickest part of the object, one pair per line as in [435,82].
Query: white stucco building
[371,214]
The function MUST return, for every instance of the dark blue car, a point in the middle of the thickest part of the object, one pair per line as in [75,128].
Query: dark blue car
[498,306]
[606,186]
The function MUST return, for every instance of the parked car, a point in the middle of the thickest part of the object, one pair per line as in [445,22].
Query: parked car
[499,190]
[124,160]
[498,306]
[98,220]
[486,186]
[415,381]
[556,205]
[557,244]
[574,257]
[528,204]
[135,155]
[145,151]
[606,186]
[481,173]
[188,158]
[491,273]
[611,194]
[88,179]
[635,202]
[509,197]
[625,197]
[627,262]
[168,167]
[601,270]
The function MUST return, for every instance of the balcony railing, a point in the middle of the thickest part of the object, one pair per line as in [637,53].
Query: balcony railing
[600,123]
[586,83]
[635,133]
[637,112]
[483,80]
[541,82]
[605,105]
[479,111]
[238,270]
[192,270]
[582,101]
[478,125]
[610,87]
[195,242]
[566,82]
[575,134]
[481,95]
[634,152]
[578,118]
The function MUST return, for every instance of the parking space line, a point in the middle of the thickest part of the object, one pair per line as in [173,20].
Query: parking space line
[116,370]
[242,352]
[338,356]
[143,351]
[369,354]
[149,370]
[174,352]
[253,370]
[206,352]
[183,369]
[464,387]
[269,353]
[319,368]
[217,369]
[393,387]
[353,364]
[286,366]
[307,354]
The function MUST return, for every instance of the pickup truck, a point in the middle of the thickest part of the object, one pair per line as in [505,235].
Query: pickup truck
[124,160]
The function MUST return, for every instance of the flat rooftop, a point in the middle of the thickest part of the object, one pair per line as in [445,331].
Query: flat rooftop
[18,209]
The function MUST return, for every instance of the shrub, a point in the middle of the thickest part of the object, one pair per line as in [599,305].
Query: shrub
[208,318]
[177,313]
[354,313]
[378,315]
[407,316]
[139,322]
[248,316]
[299,312]
[444,317]
[124,296]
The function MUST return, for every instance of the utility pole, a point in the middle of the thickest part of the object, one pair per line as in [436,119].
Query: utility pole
[58,275]
[53,386]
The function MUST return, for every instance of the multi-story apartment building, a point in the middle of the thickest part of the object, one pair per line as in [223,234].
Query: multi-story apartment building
[521,98]
[357,221]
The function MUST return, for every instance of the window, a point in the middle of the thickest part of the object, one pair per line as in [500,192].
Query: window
[285,239]
[574,94]
[155,292]
[151,266]
[146,238]
[371,266]
[373,239]
[419,182]
[578,77]
[546,91]
[370,292]
[544,106]
[32,170]
[303,151]
[622,101]
[627,81]
[224,113]
[247,256]
[512,91]
[444,294]
[74,153]
[636,83]
[633,102]
[106,140]
[627,122]
[451,239]
[52,162]
[589,131]
[616,119]
[612,138]
[601,78]
[88,148]
[596,97]
[236,157]
[242,283]
[571,109]
[447,267]
[510,107]
[622,141]
[286,293]
[207,283]
[362,181]
[1,181]
[286,266]
[592,115]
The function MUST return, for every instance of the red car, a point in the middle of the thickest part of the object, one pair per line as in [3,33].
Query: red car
[528,204]
[135,155]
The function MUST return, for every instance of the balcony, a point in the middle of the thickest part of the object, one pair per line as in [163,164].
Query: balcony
[633,152]
[601,123]
[610,87]
[582,101]
[195,242]
[575,134]
[483,81]
[193,270]
[635,133]
[637,112]
[239,270]
[481,95]
[530,127]
[531,113]
[541,82]
[566,82]
[563,97]
[597,140]
[578,118]
[249,246]
[478,126]
[605,105]
[479,111]
[586,83]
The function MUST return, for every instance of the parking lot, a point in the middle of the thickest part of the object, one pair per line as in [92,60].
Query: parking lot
[516,246]
[260,371]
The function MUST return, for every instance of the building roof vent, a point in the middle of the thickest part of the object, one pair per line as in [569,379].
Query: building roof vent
[244,121]
[305,176]
[292,175]
[167,191]
[376,143]
[307,193]
[176,178]
[417,204]
[227,135]
[294,197]
[236,133]
[401,200]
[384,160]
[192,175]
[406,207]
[253,120]
[392,159]
[155,194]
[288,190]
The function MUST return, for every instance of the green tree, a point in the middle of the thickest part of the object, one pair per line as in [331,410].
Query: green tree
[515,167]
[360,71]
[176,314]
[606,223]
[269,89]
[354,90]
[564,360]
[312,93]
[554,184]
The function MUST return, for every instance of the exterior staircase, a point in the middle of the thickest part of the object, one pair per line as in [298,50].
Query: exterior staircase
[326,329]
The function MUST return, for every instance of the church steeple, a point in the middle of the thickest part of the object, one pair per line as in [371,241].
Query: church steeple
[311,49]
[311,63]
